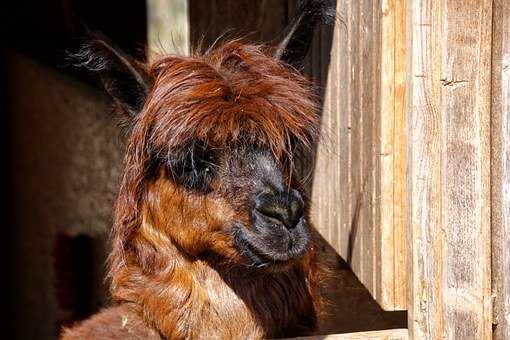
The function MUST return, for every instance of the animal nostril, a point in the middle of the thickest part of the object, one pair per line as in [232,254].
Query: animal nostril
[286,209]
[296,205]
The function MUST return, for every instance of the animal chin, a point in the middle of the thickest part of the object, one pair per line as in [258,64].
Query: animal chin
[273,247]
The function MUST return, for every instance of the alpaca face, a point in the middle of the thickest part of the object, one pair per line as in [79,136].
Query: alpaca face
[242,195]
[277,230]
[221,146]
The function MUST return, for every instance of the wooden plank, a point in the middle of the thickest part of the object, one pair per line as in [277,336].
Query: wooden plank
[500,169]
[399,273]
[354,257]
[391,292]
[369,97]
[385,229]
[330,103]
[449,164]
[390,334]
[355,189]
[167,27]
[340,60]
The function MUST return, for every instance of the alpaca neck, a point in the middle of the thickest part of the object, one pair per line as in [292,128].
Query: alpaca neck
[188,296]
[185,297]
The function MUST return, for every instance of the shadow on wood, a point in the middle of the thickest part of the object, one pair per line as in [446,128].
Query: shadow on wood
[351,307]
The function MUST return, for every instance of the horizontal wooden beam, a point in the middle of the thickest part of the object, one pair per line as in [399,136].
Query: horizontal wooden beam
[390,334]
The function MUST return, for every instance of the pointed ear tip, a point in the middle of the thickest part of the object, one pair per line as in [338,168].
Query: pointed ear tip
[328,13]
[325,10]
[310,14]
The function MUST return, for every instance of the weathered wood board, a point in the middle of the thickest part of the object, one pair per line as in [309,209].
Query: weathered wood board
[500,169]
[167,27]
[392,246]
[449,90]
[359,187]
[390,334]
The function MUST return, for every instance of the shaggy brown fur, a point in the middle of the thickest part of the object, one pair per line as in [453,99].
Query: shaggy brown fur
[177,268]
[119,322]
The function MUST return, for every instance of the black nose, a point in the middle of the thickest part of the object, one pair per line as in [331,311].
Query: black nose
[281,208]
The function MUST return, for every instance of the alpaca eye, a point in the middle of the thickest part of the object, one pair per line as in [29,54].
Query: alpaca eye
[193,169]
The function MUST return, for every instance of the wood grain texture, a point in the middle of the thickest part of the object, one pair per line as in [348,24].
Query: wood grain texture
[392,156]
[359,182]
[449,169]
[390,334]
[500,169]
[399,156]
[167,27]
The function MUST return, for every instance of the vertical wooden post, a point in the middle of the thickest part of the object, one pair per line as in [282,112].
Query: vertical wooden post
[168,26]
[391,292]
[500,170]
[343,183]
[359,182]
[449,84]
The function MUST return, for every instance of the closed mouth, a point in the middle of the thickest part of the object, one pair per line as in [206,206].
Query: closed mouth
[254,246]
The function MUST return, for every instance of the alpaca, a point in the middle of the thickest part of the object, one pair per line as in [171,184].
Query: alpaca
[211,237]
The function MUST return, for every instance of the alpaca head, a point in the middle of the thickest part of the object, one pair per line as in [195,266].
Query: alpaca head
[212,143]
[220,132]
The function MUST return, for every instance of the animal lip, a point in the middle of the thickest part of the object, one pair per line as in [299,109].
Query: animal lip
[254,246]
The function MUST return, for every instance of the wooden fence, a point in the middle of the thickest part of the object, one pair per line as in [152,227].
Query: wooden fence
[436,168]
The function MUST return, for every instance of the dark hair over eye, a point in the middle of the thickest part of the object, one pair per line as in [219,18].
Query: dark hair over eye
[193,167]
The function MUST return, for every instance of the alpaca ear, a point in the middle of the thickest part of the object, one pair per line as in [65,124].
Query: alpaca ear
[125,80]
[298,35]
